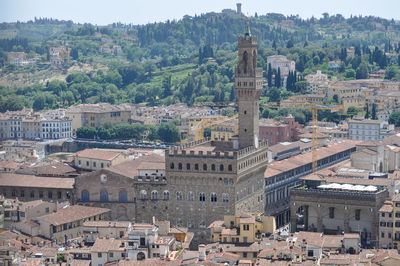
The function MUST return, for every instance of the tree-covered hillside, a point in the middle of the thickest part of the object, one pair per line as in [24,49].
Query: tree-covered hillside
[188,60]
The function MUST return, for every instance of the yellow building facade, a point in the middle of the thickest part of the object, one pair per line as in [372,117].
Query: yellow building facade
[225,130]
[396,221]
[241,228]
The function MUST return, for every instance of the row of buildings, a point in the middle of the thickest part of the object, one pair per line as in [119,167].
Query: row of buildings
[30,125]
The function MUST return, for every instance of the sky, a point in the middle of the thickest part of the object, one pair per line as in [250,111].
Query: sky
[103,12]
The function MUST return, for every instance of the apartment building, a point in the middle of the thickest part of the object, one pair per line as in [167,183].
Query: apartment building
[67,222]
[318,83]
[369,129]
[386,225]
[274,132]
[303,101]
[96,159]
[396,221]
[27,124]
[29,187]
[245,228]
[96,115]
[225,130]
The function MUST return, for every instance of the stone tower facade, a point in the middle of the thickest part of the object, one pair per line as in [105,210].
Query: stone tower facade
[248,87]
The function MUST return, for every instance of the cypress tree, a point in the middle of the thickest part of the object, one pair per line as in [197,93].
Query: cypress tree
[366,112]
[278,78]
[269,75]
[373,112]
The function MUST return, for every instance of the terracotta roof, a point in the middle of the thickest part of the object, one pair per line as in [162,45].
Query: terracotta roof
[293,162]
[107,224]
[108,244]
[396,198]
[215,224]
[15,180]
[53,169]
[332,241]
[146,162]
[351,235]
[311,238]
[71,213]
[10,164]
[224,255]
[386,207]
[80,263]
[99,154]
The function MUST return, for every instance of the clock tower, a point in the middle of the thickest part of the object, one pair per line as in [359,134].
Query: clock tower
[248,87]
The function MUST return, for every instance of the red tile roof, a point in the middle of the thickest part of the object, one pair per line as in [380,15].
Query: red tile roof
[15,180]
[99,154]
[71,214]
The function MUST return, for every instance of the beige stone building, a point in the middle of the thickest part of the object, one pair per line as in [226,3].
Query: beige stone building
[30,187]
[95,159]
[386,225]
[244,228]
[303,101]
[95,115]
[67,222]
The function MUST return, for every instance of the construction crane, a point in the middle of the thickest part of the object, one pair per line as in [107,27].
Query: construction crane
[314,109]
[198,129]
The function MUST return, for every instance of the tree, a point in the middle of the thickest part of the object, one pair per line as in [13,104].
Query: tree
[335,98]
[362,71]
[278,81]
[86,132]
[352,110]
[167,84]
[350,73]
[269,75]
[394,118]
[168,132]
[289,44]
[301,86]
[274,45]
[39,102]
[391,72]
[274,94]
[373,112]
[366,112]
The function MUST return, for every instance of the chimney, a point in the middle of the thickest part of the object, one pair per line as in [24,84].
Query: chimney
[202,252]
[154,220]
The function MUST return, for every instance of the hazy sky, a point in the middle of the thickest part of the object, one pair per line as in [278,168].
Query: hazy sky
[103,12]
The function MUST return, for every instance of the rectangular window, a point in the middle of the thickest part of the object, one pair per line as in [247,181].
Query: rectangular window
[59,194]
[331,212]
[111,255]
[382,235]
[357,214]
[99,255]
[244,254]
[40,194]
[50,195]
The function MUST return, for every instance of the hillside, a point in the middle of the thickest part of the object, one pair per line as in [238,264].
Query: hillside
[189,60]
